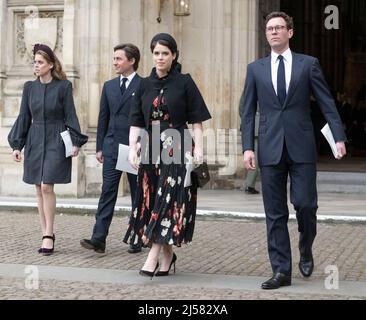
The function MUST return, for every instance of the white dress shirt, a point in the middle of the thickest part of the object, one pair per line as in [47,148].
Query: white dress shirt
[287,60]
[129,79]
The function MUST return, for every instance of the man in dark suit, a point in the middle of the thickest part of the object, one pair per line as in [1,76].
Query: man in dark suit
[116,100]
[282,84]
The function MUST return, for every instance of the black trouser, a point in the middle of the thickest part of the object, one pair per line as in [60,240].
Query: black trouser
[108,198]
[303,196]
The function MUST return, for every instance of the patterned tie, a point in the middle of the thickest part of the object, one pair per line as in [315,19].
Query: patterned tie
[281,81]
[123,85]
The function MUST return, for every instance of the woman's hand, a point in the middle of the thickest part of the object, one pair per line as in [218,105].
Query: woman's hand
[145,240]
[133,157]
[198,143]
[17,155]
[198,155]
[75,151]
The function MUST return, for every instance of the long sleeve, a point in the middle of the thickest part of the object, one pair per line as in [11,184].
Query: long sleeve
[326,102]
[247,111]
[197,109]
[18,134]
[71,119]
[103,120]
[136,117]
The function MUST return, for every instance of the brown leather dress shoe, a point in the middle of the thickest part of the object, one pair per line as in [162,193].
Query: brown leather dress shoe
[278,280]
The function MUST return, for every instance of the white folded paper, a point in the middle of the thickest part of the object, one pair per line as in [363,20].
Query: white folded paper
[65,135]
[122,160]
[329,136]
[189,168]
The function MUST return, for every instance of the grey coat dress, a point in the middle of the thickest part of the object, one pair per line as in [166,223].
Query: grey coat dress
[45,111]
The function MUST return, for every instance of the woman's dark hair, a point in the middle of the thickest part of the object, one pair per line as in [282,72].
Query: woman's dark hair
[165,43]
[167,40]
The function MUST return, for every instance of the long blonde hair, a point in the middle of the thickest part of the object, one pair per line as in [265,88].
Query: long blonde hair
[57,71]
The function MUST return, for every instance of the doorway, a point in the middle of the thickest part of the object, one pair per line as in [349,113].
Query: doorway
[342,55]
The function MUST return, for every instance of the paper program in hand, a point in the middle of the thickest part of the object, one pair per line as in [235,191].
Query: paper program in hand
[122,160]
[65,135]
[329,136]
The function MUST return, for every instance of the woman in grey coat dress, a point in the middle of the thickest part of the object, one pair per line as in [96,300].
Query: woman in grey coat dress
[47,108]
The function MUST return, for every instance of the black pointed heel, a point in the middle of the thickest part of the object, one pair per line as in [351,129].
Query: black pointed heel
[47,251]
[166,273]
[150,274]
[40,250]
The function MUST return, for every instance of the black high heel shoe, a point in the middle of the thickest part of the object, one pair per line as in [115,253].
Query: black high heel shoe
[47,251]
[40,250]
[166,273]
[149,273]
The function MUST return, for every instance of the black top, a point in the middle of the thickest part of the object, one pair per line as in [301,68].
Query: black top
[182,97]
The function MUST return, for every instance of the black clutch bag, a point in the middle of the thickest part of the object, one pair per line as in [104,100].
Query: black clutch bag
[200,175]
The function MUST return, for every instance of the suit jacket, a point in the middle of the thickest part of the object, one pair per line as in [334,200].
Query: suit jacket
[290,123]
[113,125]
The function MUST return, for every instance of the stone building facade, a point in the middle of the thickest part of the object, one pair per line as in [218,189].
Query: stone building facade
[217,40]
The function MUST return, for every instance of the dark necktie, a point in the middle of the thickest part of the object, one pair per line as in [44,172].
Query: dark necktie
[281,81]
[123,85]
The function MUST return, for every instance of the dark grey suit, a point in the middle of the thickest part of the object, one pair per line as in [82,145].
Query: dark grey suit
[286,146]
[113,129]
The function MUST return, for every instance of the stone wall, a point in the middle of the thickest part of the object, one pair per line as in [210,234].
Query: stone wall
[216,42]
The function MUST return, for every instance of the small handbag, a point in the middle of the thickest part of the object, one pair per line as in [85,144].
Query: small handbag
[200,175]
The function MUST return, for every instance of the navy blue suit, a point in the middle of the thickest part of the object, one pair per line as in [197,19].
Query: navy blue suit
[113,129]
[286,146]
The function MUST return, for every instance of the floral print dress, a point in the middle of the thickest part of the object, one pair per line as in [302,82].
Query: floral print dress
[164,210]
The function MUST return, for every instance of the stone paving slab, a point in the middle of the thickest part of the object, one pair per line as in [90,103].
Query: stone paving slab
[14,289]
[236,247]
[203,282]
[233,247]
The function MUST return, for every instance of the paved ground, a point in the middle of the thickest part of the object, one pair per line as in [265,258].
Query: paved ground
[234,203]
[227,261]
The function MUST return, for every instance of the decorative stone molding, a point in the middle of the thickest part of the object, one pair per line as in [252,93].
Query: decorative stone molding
[45,20]
[17,3]
[22,24]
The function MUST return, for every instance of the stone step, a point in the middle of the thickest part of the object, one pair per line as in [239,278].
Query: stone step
[345,182]
[330,182]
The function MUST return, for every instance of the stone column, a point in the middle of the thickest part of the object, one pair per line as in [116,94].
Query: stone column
[4,150]
[2,53]
[2,44]
[70,61]
[89,48]
[69,39]
[100,27]
[245,51]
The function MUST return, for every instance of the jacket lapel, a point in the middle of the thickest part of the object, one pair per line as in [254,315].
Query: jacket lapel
[297,67]
[129,92]
[267,74]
